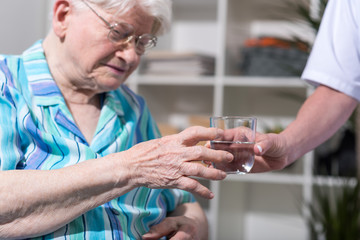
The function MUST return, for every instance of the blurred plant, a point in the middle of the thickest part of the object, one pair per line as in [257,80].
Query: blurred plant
[303,10]
[273,129]
[334,212]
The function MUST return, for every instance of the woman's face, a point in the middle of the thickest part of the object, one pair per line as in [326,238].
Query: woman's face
[95,63]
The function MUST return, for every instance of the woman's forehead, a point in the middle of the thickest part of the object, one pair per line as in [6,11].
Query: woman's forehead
[136,16]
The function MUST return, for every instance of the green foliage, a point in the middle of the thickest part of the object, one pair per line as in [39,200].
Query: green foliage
[274,129]
[302,8]
[334,213]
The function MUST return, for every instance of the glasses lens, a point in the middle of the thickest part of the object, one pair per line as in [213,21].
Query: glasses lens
[120,32]
[145,42]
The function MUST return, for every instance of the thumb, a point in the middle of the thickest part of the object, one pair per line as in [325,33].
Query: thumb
[264,142]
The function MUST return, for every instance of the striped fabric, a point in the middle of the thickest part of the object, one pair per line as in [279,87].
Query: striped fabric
[37,131]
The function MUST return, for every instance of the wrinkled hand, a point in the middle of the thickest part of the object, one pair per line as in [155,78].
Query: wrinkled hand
[170,162]
[270,152]
[174,228]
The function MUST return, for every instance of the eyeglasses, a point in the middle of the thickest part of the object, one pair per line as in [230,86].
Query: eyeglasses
[122,33]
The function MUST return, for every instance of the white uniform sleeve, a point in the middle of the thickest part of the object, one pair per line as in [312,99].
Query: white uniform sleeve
[335,58]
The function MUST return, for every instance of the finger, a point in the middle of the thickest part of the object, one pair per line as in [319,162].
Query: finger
[263,144]
[165,228]
[181,235]
[201,153]
[193,186]
[197,170]
[192,135]
[260,166]
[258,149]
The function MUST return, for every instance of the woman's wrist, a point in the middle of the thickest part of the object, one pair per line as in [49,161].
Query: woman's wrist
[121,174]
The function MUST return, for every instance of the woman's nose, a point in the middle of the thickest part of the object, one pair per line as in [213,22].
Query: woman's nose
[128,52]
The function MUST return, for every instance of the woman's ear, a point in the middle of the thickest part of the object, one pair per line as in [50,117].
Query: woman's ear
[61,16]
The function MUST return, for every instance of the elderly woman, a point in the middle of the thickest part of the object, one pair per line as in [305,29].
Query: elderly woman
[81,155]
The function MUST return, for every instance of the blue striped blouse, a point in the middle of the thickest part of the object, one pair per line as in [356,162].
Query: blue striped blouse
[37,131]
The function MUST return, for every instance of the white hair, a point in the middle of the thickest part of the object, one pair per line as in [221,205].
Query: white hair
[159,9]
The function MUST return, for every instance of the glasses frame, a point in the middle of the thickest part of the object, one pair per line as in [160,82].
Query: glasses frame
[151,43]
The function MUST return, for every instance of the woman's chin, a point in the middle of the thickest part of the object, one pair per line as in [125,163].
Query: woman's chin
[113,85]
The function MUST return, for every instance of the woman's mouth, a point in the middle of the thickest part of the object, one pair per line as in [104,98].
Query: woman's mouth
[116,69]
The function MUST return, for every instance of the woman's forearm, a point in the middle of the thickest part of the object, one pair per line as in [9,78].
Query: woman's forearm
[36,202]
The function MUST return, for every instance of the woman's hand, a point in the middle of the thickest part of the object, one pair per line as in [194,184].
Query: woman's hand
[187,221]
[180,227]
[172,161]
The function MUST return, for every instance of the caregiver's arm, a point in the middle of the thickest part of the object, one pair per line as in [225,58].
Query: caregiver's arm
[322,114]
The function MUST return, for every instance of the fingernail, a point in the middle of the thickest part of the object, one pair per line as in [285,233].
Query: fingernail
[211,195]
[259,147]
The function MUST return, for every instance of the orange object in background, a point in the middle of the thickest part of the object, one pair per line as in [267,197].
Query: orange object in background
[276,42]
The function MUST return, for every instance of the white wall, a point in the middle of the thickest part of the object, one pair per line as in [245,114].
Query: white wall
[22,22]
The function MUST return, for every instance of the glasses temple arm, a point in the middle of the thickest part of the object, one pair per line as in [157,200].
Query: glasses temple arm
[93,10]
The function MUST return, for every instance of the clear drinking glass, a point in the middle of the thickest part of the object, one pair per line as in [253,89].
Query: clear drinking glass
[238,139]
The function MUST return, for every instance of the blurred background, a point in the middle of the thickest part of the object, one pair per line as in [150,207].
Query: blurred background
[232,57]
[22,23]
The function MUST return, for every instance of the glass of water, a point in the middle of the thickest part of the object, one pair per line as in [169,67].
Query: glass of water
[238,139]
